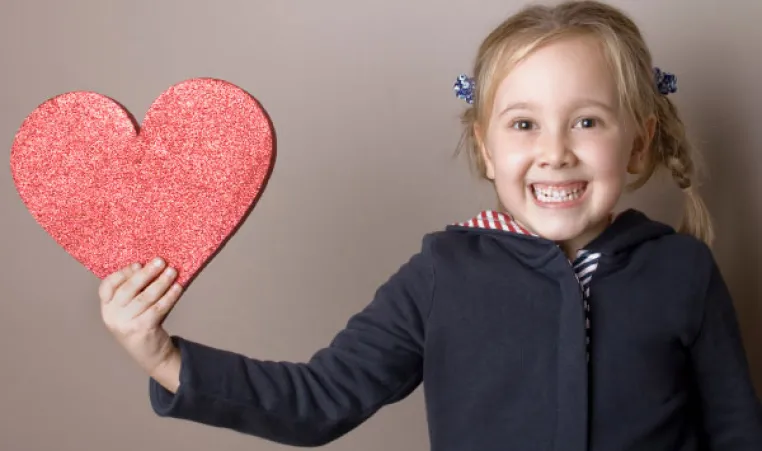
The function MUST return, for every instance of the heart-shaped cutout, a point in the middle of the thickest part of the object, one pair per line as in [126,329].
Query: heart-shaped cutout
[179,186]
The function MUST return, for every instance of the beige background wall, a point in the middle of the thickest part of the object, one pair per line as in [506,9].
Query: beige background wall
[360,95]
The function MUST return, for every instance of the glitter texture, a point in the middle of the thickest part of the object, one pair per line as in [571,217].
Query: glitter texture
[178,187]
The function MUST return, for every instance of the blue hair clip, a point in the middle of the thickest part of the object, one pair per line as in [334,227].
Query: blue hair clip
[665,82]
[464,88]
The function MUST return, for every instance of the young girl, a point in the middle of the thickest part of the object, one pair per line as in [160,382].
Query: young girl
[548,324]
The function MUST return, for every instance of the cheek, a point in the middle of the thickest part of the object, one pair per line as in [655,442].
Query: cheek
[512,157]
[511,169]
[608,158]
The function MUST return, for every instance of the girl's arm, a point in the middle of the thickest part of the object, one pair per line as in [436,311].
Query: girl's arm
[375,360]
[731,409]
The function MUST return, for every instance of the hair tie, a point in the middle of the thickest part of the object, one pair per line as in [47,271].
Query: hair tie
[464,88]
[666,82]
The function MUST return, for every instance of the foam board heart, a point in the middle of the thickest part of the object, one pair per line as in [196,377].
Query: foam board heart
[111,192]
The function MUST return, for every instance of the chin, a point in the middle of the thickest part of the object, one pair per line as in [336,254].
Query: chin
[555,225]
[558,233]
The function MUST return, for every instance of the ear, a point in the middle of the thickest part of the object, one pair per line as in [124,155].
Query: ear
[489,166]
[641,148]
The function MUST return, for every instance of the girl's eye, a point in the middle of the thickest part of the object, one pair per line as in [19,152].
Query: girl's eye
[522,125]
[586,122]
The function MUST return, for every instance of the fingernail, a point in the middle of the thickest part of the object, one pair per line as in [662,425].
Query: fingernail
[158,262]
[170,272]
[135,266]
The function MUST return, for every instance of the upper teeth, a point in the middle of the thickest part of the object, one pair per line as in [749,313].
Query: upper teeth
[556,194]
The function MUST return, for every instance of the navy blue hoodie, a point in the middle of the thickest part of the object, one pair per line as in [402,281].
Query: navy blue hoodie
[491,322]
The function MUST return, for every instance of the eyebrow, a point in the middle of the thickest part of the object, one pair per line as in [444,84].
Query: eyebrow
[516,106]
[579,104]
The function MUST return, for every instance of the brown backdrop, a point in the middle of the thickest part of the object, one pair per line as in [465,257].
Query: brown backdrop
[360,94]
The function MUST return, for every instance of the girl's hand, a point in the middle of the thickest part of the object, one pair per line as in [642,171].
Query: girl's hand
[134,303]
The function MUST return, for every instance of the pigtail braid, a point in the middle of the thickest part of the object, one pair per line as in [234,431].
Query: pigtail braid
[675,153]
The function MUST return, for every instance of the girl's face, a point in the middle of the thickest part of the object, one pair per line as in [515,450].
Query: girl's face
[558,147]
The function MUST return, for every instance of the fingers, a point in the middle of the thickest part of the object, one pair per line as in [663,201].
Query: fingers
[152,293]
[113,281]
[137,282]
[156,313]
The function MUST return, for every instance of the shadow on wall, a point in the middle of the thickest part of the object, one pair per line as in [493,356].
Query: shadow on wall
[724,143]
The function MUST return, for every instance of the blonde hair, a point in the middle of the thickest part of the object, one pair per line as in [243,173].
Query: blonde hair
[631,61]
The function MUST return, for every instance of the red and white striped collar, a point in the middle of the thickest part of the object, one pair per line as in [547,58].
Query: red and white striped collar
[495,220]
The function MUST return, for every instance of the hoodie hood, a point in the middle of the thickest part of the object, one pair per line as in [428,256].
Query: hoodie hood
[628,229]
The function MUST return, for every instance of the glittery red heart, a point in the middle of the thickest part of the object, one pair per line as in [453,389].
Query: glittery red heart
[111,193]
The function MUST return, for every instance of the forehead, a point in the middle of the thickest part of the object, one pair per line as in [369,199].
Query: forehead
[560,74]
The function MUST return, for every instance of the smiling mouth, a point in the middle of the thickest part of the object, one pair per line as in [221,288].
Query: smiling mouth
[557,194]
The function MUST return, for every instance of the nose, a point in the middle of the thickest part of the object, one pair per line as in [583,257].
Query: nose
[554,151]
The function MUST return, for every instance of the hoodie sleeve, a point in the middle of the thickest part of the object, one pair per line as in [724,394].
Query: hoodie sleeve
[374,361]
[731,409]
